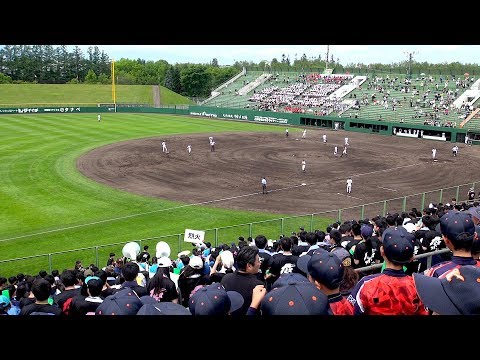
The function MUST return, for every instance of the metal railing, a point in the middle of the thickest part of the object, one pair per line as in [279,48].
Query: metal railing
[272,229]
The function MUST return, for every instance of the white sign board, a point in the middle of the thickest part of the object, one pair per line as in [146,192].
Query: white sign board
[194,236]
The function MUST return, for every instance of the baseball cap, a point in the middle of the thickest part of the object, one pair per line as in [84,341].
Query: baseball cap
[456,294]
[474,211]
[454,223]
[163,308]
[366,231]
[164,262]
[288,278]
[398,244]
[296,298]
[214,300]
[196,262]
[123,302]
[323,266]
[343,255]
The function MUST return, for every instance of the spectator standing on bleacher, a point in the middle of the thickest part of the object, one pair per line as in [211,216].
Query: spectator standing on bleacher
[458,231]
[244,279]
[391,292]
[325,270]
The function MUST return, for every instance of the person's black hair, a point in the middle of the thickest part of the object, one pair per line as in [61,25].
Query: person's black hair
[286,243]
[261,241]
[311,238]
[41,289]
[336,236]
[246,255]
[12,279]
[68,278]
[130,271]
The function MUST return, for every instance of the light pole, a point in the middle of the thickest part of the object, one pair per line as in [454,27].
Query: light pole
[410,60]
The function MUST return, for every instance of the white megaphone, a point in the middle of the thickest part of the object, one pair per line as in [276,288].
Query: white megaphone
[131,250]
[163,250]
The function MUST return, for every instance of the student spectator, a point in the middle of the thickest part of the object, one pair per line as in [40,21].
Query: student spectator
[214,300]
[325,270]
[261,243]
[283,262]
[244,279]
[41,289]
[191,276]
[391,292]
[130,272]
[456,294]
[458,231]
[160,286]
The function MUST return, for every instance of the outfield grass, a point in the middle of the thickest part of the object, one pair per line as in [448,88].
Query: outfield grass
[13,95]
[48,206]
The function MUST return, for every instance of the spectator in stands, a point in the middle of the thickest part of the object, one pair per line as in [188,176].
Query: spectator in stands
[41,290]
[456,294]
[160,286]
[69,279]
[391,292]
[458,231]
[130,271]
[325,270]
[87,304]
[261,243]
[350,276]
[283,262]
[223,265]
[244,279]
[111,259]
[191,276]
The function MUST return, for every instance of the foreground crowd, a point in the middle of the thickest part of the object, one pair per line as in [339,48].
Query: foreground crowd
[309,273]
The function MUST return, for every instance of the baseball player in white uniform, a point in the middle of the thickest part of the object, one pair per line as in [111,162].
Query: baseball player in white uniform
[164,147]
[264,185]
[324,136]
[189,149]
[304,165]
[346,141]
[335,150]
[349,185]
[99,117]
[304,134]
[434,153]
[344,152]
[455,150]
[286,132]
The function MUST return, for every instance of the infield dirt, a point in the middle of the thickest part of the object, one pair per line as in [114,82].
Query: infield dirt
[382,167]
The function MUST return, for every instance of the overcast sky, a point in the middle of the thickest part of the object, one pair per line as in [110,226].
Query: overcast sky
[228,54]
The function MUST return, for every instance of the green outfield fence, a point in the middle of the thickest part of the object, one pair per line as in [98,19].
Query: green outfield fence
[272,229]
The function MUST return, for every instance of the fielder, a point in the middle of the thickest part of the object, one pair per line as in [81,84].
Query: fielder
[99,117]
[304,165]
[304,134]
[335,150]
[286,132]
[324,136]
[349,185]
[346,141]
[189,149]
[164,147]
[434,153]
[455,150]
[344,152]
[264,185]
[212,145]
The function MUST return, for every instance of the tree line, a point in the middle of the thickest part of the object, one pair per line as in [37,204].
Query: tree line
[47,64]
